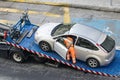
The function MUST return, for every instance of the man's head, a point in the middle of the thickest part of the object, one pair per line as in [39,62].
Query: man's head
[69,38]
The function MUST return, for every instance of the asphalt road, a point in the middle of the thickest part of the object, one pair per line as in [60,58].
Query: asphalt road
[10,12]
[31,70]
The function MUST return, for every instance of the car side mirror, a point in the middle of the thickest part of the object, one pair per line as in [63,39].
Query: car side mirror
[59,39]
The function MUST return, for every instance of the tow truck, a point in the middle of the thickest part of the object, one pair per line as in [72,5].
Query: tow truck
[16,54]
[20,45]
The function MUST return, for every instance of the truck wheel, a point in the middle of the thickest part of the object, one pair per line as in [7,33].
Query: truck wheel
[18,57]
[45,46]
[92,62]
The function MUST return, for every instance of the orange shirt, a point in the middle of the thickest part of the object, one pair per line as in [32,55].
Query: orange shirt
[68,42]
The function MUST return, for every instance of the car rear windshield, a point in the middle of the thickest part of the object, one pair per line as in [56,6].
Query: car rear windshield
[108,44]
[61,29]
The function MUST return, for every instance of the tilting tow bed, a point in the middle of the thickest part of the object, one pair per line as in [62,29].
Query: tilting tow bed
[21,37]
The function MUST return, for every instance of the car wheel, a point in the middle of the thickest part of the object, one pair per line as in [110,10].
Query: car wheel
[18,57]
[92,62]
[45,46]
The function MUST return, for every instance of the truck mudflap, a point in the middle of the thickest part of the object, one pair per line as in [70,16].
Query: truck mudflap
[111,70]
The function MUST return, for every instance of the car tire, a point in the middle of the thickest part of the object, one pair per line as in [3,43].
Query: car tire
[45,46]
[18,57]
[92,62]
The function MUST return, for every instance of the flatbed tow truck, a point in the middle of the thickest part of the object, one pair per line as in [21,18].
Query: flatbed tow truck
[20,45]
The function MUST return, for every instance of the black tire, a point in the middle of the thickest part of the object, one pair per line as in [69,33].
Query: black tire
[45,46]
[18,57]
[92,62]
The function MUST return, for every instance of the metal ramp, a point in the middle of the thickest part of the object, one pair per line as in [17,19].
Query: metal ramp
[28,44]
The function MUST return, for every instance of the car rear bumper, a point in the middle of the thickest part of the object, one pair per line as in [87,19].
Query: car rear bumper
[108,61]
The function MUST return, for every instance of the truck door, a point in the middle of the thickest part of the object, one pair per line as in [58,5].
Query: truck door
[60,48]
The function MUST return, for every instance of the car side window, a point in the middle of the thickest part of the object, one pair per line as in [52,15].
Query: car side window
[86,44]
[60,40]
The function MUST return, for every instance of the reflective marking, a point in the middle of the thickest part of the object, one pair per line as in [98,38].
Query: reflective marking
[18,0]
[40,2]
[21,0]
[66,15]
[30,12]
[51,14]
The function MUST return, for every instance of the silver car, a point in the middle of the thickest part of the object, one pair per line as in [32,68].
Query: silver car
[91,45]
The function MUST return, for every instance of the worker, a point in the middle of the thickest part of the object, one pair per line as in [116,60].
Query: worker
[71,51]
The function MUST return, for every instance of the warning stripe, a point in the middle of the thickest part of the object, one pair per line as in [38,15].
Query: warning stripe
[60,61]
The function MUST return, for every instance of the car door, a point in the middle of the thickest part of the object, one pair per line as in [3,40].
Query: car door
[60,48]
[84,48]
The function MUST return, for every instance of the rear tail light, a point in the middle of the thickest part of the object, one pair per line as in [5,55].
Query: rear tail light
[97,44]
[101,47]
[5,34]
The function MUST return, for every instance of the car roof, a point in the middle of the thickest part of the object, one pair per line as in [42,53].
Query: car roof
[87,32]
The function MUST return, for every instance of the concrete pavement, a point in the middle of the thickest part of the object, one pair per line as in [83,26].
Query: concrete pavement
[104,5]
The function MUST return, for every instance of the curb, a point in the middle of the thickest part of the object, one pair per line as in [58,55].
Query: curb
[99,8]
[83,6]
